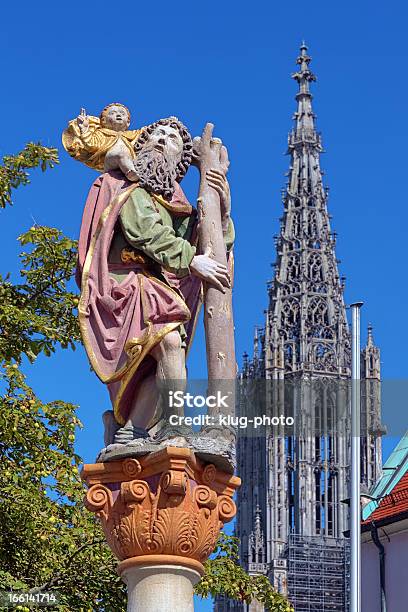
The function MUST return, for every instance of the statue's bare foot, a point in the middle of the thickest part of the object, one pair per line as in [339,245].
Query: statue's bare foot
[129,441]
[128,433]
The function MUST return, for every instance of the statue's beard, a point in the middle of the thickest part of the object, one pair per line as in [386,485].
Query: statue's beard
[156,171]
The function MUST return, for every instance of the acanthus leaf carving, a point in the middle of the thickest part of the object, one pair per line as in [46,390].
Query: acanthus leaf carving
[178,516]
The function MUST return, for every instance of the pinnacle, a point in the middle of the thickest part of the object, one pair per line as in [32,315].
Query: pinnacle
[304,74]
[258,518]
[303,58]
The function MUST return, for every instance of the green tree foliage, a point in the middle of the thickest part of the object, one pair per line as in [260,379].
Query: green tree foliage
[37,315]
[224,576]
[13,170]
[47,539]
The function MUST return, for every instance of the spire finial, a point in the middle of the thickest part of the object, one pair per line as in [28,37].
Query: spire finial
[304,75]
[370,340]
[304,117]
[258,519]
[256,343]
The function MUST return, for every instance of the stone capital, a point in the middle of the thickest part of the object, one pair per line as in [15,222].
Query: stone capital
[164,508]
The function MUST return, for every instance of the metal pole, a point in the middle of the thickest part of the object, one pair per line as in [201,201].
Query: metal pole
[355,514]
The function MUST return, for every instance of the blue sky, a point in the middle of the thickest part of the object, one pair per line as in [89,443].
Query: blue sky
[228,63]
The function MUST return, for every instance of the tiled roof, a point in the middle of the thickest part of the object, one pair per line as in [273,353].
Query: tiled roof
[394,470]
[393,504]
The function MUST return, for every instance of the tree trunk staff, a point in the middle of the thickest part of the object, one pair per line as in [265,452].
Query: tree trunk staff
[211,154]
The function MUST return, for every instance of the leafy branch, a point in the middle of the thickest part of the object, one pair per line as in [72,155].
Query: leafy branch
[60,576]
[40,313]
[13,170]
[224,576]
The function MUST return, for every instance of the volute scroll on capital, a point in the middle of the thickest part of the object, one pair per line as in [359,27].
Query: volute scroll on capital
[172,512]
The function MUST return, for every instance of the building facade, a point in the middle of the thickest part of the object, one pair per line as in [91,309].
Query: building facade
[384,537]
[291,507]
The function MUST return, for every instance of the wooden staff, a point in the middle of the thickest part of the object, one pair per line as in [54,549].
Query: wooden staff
[211,154]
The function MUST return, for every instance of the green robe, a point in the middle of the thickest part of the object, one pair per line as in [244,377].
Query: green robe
[150,228]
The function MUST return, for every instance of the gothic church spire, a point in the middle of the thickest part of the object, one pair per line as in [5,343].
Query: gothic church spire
[306,307]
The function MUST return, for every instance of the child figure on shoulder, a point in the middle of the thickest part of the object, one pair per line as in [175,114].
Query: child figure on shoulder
[105,142]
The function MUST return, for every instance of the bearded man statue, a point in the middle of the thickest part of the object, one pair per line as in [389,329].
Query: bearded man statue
[141,281]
